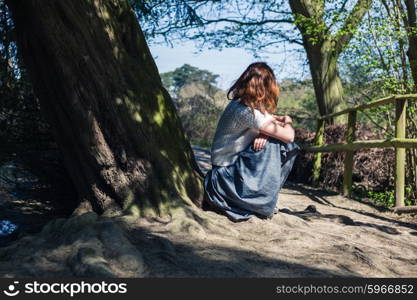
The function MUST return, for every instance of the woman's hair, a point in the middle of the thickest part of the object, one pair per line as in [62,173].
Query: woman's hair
[257,88]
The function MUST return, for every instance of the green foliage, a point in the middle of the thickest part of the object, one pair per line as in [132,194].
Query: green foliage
[409,190]
[375,54]
[198,101]
[386,198]
[186,74]
[314,28]
[298,101]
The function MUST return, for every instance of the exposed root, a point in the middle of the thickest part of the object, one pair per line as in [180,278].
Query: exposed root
[81,246]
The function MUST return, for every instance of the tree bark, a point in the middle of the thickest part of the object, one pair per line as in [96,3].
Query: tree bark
[327,84]
[411,26]
[100,89]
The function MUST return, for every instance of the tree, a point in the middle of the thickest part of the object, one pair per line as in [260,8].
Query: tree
[198,100]
[326,28]
[116,125]
[176,79]
[323,48]
[410,24]
[379,62]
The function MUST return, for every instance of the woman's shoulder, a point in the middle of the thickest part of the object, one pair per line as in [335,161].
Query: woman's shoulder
[238,107]
[249,113]
[235,114]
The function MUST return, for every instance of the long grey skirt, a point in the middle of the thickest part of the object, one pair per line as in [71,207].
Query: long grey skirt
[251,185]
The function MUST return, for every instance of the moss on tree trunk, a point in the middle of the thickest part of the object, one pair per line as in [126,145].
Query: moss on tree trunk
[327,84]
[99,86]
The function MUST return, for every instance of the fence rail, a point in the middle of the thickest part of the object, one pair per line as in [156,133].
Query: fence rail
[400,143]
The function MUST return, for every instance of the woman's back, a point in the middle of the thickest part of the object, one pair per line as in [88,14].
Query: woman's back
[236,129]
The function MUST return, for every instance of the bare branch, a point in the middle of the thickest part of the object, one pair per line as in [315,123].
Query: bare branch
[253,23]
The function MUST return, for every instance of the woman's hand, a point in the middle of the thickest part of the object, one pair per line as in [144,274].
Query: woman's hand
[287,120]
[283,119]
[259,142]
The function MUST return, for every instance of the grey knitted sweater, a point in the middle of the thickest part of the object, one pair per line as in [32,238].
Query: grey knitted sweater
[237,128]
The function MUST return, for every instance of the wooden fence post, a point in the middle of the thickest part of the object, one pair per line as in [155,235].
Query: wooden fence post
[348,163]
[400,125]
[318,141]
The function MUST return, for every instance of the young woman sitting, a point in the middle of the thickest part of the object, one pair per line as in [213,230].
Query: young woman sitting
[253,149]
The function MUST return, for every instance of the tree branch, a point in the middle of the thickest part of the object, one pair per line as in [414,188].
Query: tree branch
[352,22]
[243,23]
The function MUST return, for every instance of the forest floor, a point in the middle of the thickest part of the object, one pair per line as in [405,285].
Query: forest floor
[315,234]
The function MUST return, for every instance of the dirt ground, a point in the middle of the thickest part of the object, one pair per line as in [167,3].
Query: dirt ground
[315,234]
[341,238]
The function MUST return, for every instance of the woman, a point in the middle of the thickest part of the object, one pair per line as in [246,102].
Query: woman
[252,151]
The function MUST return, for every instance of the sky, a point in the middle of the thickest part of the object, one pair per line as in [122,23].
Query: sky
[228,63]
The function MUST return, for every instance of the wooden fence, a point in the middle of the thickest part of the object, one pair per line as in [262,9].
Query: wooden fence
[400,143]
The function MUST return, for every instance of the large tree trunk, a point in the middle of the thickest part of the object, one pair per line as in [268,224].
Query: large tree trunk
[411,25]
[322,57]
[99,87]
[327,84]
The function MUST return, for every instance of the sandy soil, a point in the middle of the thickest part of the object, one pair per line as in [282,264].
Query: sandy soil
[339,238]
[315,234]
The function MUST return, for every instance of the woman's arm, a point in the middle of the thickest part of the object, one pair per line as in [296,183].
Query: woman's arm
[280,128]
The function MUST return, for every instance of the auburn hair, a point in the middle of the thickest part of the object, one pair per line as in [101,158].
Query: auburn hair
[257,88]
